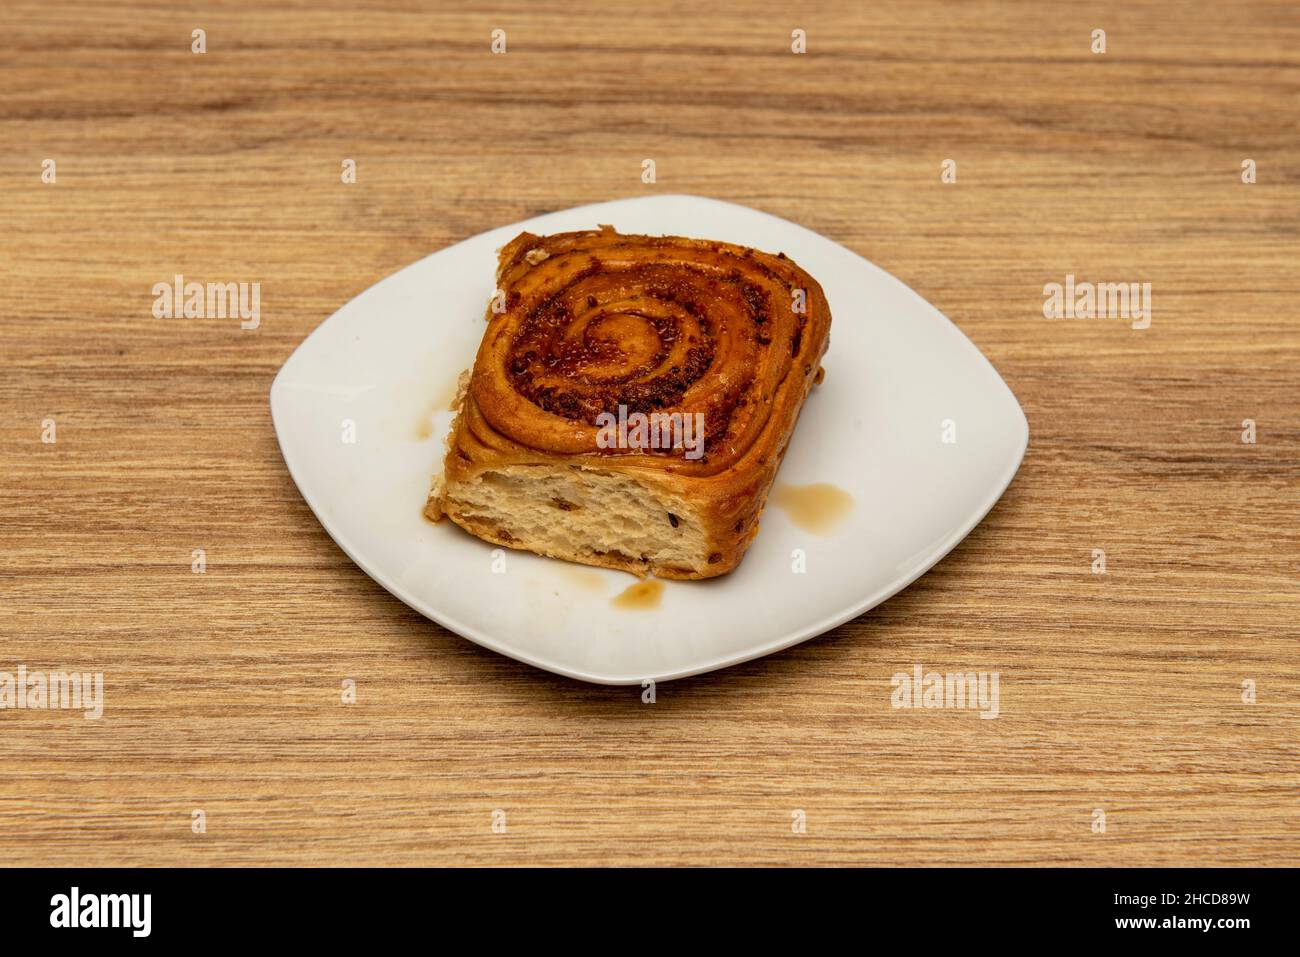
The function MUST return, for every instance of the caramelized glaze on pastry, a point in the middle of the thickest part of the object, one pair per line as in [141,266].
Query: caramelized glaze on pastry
[715,346]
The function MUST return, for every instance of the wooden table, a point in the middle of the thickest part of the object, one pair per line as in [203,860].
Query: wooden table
[1120,692]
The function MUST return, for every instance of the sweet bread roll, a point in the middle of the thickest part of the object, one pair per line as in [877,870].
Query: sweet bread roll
[632,399]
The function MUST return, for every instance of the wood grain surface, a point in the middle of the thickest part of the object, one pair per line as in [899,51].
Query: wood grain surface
[1120,692]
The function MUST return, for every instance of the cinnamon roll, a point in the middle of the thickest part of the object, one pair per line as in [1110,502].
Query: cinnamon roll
[632,399]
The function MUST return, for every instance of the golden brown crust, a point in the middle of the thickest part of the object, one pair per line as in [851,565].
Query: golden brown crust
[590,321]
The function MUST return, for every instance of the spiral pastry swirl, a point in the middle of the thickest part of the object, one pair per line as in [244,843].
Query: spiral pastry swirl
[588,328]
[596,322]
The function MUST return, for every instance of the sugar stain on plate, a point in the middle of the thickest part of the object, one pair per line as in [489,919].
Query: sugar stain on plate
[642,596]
[442,403]
[817,508]
[581,578]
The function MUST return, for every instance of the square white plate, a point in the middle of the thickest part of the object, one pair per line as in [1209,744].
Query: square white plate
[387,362]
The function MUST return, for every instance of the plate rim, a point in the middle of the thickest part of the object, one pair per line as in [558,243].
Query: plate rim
[834,620]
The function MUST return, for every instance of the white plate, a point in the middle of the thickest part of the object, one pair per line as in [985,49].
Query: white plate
[896,370]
